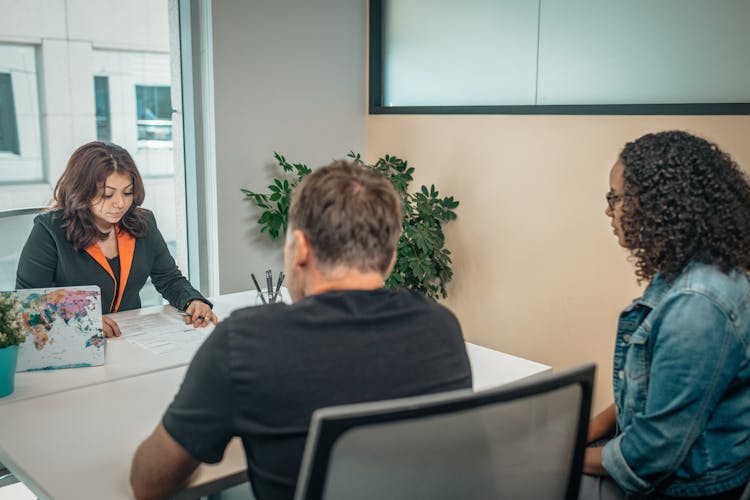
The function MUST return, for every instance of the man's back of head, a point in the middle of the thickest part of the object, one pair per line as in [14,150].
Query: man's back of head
[344,227]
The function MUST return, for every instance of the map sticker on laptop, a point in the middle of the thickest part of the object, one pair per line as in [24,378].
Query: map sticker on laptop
[63,328]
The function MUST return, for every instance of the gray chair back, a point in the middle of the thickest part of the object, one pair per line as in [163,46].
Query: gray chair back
[522,440]
[15,226]
[746,493]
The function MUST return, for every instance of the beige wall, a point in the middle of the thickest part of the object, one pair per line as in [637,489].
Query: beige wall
[538,272]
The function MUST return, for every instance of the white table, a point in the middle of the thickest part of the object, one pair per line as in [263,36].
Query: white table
[490,368]
[78,444]
[123,359]
[73,436]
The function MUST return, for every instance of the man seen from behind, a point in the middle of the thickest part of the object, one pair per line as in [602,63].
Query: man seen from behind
[345,339]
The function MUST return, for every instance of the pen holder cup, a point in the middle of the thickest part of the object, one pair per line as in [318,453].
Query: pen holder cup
[283,296]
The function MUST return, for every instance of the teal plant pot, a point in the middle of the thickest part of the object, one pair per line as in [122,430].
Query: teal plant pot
[8,358]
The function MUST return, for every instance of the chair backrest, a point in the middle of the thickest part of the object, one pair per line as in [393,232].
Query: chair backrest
[15,226]
[746,493]
[522,440]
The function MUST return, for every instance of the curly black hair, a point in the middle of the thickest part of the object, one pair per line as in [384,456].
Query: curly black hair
[685,200]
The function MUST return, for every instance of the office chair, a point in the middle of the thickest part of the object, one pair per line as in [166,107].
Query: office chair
[518,441]
[746,493]
[15,226]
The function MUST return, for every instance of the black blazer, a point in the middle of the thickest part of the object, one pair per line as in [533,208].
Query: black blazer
[48,259]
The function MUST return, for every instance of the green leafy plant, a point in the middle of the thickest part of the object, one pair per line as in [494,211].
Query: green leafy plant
[275,204]
[423,263]
[11,321]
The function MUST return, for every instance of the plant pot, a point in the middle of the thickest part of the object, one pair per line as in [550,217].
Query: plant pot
[8,358]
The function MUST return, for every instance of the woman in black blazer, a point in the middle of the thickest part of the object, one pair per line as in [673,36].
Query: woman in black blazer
[96,233]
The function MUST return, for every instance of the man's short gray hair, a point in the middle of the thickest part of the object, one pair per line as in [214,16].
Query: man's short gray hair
[351,215]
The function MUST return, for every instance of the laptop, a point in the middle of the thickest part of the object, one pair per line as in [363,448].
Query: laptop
[63,328]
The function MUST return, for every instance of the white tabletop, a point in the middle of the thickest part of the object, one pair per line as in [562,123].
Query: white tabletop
[72,433]
[79,443]
[123,359]
[490,368]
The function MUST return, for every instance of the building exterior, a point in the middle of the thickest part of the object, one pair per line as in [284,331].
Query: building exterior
[73,71]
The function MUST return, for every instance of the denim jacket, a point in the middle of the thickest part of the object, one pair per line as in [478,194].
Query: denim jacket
[682,386]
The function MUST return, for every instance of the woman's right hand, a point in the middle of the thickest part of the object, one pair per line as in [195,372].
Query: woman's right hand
[110,328]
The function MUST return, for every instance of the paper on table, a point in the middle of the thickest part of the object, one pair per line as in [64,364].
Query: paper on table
[151,323]
[162,333]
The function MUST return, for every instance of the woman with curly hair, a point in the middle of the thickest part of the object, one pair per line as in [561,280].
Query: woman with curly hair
[97,234]
[680,423]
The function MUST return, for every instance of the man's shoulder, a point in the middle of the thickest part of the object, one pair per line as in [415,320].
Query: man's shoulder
[317,310]
[428,304]
[255,318]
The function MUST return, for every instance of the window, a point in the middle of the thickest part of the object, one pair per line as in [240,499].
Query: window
[20,130]
[552,57]
[8,126]
[53,73]
[154,113]
[101,105]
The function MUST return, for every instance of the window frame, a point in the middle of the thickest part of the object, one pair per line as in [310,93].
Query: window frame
[377,85]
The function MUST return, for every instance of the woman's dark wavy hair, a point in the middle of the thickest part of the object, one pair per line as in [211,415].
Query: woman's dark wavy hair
[83,181]
[685,200]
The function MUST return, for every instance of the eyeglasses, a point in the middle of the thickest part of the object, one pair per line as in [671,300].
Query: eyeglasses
[613,198]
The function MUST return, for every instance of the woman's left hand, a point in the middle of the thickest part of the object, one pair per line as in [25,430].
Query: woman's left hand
[199,314]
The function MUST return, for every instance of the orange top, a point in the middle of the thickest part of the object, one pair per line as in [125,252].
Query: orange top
[126,249]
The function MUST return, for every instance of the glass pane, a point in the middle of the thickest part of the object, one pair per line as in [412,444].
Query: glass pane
[646,52]
[66,85]
[154,105]
[103,117]
[8,126]
[443,53]
[20,131]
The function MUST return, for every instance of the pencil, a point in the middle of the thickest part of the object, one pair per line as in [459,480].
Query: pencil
[257,286]
[278,286]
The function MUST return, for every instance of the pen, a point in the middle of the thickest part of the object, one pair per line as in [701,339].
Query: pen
[257,286]
[187,314]
[269,284]
[278,286]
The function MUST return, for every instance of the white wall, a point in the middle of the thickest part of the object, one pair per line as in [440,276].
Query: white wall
[289,76]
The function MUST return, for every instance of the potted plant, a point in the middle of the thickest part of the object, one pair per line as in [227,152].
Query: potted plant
[423,262]
[11,334]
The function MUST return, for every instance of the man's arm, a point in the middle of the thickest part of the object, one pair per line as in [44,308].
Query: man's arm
[160,467]
[196,427]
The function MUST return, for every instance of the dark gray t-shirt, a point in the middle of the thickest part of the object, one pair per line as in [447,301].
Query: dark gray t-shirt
[264,370]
